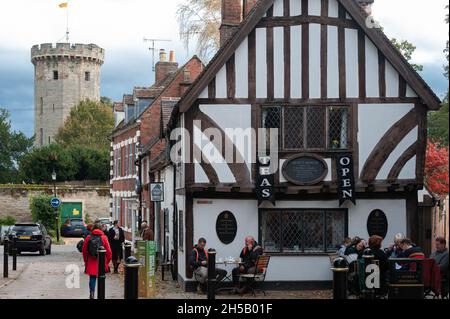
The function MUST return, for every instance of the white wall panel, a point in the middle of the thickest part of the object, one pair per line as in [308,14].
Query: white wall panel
[278,62]
[261,63]
[241,68]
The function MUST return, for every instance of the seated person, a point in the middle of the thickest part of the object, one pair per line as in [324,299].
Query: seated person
[345,244]
[410,251]
[248,255]
[199,263]
[355,250]
[394,250]
[441,258]
[375,243]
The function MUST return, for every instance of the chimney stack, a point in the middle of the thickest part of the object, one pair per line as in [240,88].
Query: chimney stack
[248,6]
[366,5]
[164,67]
[231,18]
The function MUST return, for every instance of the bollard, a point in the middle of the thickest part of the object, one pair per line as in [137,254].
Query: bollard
[5,257]
[101,273]
[212,281]
[340,273]
[131,278]
[127,248]
[368,257]
[14,253]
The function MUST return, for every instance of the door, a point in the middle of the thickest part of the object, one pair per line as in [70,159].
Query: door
[71,210]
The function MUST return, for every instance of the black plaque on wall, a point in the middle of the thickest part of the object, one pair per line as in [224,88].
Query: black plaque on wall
[305,169]
[377,223]
[226,227]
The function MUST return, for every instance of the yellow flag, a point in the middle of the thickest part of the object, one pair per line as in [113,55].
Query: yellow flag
[63,5]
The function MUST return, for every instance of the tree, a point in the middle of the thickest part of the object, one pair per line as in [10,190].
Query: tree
[74,163]
[13,146]
[89,124]
[37,166]
[407,49]
[201,19]
[438,121]
[43,212]
[436,169]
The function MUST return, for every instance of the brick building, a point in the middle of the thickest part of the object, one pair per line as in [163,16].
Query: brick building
[137,140]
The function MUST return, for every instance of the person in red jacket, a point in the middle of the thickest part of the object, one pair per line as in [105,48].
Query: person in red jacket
[93,241]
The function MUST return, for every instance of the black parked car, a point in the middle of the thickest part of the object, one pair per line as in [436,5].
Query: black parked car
[31,237]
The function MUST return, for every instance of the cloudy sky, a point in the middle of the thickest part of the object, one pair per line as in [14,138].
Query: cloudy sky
[119,26]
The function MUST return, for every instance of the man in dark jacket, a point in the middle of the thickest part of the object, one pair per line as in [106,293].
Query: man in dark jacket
[116,238]
[441,258]
[248,255]
[199,264]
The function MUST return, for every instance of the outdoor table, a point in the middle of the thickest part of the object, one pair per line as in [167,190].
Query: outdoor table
[229,277]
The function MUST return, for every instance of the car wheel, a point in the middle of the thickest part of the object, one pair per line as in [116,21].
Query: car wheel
[49,250]
[42,251]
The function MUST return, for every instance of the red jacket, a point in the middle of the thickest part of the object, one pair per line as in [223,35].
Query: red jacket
[90,262]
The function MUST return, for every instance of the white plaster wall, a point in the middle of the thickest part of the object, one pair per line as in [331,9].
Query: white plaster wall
[314,60]
[372,82]
[333,9]
[373,122]
[261,63]
[278,61]
[221,83]
[296,58]
[351,63]
[295,7]
[314,7]
[333,63]
[392,79]
[241,69]
[205,216]
[409,171]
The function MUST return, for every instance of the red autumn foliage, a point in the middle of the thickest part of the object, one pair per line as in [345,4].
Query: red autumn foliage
[436,169]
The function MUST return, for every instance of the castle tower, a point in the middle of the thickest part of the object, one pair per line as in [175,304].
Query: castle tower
[64,75]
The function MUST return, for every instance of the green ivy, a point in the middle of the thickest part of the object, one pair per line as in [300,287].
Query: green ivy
[43,212]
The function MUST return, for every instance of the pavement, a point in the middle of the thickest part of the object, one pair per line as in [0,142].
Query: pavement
[60,276]
[56,276]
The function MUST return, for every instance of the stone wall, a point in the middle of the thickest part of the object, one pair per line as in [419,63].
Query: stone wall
[15,199]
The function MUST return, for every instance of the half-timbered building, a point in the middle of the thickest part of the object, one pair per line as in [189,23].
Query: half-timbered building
[351,119]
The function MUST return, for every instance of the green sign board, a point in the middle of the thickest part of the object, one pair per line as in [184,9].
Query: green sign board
[146,254]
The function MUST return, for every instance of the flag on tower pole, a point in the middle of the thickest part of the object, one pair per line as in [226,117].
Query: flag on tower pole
[63,5]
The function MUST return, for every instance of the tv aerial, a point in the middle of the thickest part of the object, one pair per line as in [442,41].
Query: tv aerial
[153,48]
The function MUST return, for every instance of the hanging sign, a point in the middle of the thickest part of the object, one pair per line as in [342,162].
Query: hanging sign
[157,192]
[265,181]
[345,178]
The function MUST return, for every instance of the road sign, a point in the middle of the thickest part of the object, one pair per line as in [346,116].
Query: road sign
[55,202]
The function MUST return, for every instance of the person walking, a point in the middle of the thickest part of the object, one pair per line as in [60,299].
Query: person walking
[93,242]
[146,232]
[116,239]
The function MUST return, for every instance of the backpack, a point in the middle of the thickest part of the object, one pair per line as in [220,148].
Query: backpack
[80,245]
[95,242]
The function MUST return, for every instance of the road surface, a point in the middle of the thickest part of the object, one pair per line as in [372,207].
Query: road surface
[56,276]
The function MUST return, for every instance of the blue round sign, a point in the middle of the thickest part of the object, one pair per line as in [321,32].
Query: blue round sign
[55,202]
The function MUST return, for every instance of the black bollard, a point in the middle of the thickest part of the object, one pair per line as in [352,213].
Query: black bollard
[101,273]
[212,281]
[5,257]
[340,273]
[131,278]
[14,253]
[127,248]
[368,257]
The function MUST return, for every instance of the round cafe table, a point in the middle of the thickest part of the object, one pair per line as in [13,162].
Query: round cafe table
[229,277]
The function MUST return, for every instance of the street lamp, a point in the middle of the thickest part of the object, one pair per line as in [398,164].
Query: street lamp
[56,209]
